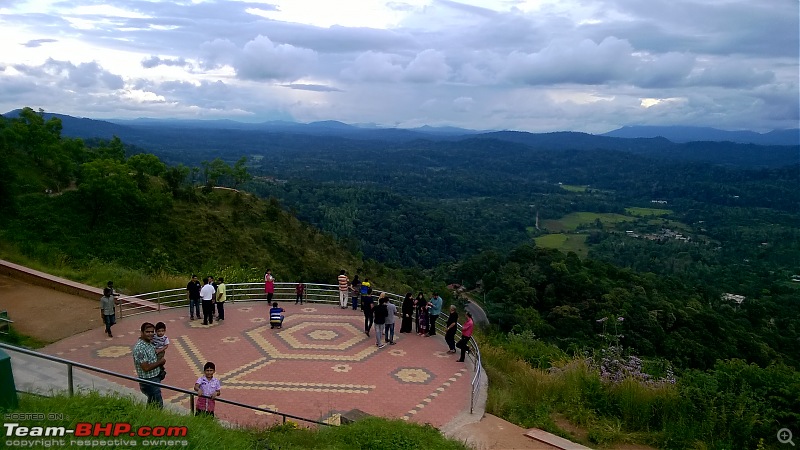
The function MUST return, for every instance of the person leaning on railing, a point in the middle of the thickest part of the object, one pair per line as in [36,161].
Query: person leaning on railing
[466,334]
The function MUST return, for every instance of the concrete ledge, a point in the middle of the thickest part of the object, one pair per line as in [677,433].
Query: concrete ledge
[553,440]
[38,278]
[49,281]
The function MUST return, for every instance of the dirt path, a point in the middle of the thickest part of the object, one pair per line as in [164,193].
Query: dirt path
[45,314]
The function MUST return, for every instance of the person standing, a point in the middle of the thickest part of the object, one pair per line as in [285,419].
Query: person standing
[208,387]
[114,292]
[367,307]
[148,365]
[407,312]
[269,285]
[108,310]
[452,327]
[434,310]
[381,312]
[222,295]
[466,334]
[193,294]
[355,292]
[344,286]
[421,307]
[299,292]
[207,294]
[391,312]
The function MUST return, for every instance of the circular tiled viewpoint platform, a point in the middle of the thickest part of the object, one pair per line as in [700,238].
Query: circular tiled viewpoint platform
[318,365]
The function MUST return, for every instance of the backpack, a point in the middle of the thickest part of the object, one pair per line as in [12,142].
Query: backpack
[364,290]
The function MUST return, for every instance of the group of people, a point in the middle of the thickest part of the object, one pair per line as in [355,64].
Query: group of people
[149,352]
[149,359]
[419,313]
[208,294]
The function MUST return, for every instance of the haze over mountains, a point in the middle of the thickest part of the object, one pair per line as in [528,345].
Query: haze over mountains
[741,148]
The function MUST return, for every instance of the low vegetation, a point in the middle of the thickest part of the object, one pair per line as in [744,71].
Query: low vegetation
[732,405]
[207,433]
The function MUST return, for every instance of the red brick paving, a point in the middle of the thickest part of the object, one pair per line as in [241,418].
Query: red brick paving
[320,363]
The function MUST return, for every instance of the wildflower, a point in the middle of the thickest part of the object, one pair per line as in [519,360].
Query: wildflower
[620,319]
[601,320]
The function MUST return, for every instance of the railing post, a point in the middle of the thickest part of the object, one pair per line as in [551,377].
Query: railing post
[70,387]
[158,301]
[191,403]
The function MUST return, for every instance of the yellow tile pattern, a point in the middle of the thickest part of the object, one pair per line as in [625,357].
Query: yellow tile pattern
[427,400]
[114,351]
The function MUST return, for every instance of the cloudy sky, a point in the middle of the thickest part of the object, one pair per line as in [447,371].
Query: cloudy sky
[534,65]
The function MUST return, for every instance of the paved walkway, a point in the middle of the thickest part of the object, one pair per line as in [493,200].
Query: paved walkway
[320,364]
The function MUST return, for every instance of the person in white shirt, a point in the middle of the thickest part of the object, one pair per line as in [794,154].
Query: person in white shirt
[207,295]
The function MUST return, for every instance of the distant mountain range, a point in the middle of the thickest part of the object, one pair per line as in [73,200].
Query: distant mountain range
[694,134]
[84,127]
[163,136]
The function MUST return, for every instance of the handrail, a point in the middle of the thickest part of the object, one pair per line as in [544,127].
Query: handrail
[192,394]
[284,291]
[5,327]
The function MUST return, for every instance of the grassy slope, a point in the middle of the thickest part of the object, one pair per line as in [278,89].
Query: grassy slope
[205,433]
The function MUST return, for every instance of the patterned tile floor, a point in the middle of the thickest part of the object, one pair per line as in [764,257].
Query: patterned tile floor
[319,364]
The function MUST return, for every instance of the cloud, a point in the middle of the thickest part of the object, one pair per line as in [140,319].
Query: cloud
[583,62]
[542,66]
[313,87]
[155,61]
[38,42]
[731,75]
[261,59]
[429,66]
[375,67]
[65,74]
[463,104]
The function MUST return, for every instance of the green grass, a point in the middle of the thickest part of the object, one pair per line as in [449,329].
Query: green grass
[572,221]
[565,242]
[647,212]
[95,272]
[573,188]
[205,433]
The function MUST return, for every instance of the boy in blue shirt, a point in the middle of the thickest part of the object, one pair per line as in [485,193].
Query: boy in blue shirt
[276,316]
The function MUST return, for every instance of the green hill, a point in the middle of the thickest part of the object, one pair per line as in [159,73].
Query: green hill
[71,204]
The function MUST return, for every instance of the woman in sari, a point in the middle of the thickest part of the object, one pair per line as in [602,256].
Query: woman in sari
[422,313]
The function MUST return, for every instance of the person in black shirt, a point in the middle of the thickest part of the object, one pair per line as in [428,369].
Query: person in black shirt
[367,306]
[193,294]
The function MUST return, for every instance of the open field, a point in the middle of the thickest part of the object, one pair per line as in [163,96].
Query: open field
[647,212]
[565,242]
[572,221]
[573,188]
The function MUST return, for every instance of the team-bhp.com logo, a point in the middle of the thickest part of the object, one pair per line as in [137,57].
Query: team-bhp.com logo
[122,433]
[87,429]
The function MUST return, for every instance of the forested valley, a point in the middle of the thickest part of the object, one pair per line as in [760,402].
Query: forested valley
[575,253]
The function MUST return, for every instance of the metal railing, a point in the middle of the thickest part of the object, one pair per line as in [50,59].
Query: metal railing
[249,292]
[5,323]
[70,365]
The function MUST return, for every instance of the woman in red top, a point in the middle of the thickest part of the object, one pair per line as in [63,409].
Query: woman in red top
[269,285]
[466,334]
